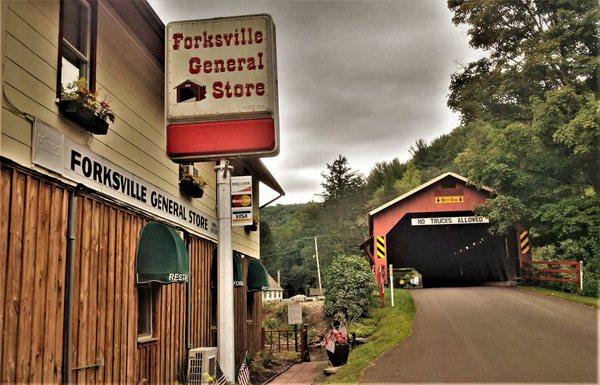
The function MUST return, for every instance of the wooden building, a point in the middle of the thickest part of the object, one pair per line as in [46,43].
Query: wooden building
[73,205]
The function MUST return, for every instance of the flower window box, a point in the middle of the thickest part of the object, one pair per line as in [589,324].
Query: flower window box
[82,106]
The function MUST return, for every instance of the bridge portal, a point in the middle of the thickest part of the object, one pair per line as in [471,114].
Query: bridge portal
[436,230]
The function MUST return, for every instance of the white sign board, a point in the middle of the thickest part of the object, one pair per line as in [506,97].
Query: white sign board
[295,314]
[74,162]
[471,220]
[221,67]
[241,201]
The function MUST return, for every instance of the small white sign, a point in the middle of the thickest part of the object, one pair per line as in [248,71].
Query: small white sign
[470,220]
[295,314]
[241,201]
[221,67]
[47,147]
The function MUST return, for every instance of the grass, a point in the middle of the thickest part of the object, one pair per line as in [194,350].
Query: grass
[393,326]
[590,301]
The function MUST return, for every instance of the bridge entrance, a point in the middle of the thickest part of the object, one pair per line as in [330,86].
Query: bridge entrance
[461,253]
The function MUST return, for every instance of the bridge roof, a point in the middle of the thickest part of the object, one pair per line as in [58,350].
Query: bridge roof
[424,186]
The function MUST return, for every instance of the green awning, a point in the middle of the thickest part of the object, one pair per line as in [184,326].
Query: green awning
[161,255]
[238,270]
[258,277]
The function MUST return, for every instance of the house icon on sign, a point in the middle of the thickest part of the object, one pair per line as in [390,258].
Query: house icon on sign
[190,90]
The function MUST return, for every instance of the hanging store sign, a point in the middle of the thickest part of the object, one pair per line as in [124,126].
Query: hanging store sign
[53,151]
[471,220]
[241,201]
[221,88]
[450,199]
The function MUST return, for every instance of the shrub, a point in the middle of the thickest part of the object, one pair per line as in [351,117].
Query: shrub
[349,284]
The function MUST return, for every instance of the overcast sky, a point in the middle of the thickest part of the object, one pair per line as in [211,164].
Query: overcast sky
[362,79]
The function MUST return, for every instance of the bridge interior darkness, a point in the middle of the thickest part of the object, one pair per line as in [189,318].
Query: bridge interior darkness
[452,255]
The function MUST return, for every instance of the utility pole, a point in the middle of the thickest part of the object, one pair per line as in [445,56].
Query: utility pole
[318,266]
[226,331]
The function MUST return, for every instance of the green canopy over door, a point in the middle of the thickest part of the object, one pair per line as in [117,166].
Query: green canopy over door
[161,255]
[238,270]
[258,276]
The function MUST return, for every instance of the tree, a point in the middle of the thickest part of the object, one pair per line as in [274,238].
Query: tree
[533,47]
[339,180]
[410,180]
[349,285]
[533,103]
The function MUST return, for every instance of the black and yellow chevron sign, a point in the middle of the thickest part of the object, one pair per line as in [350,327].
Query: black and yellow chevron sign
[380,246]
[524,241]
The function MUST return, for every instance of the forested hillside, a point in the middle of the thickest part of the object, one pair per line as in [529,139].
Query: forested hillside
[530,129]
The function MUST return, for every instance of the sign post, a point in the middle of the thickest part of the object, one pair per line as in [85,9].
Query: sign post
[226,326]
[221,102]
[392,284]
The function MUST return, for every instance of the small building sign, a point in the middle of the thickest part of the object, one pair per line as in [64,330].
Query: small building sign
[450,199]
[295,314]
[241,201]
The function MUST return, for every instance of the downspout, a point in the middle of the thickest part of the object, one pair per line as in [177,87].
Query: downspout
[188,296]
[68,324]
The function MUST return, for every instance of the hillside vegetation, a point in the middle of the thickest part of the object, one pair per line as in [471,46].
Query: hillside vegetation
[530,129]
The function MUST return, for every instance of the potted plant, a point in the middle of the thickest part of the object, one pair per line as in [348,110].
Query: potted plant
[192,185]
[336,344]
[82,106]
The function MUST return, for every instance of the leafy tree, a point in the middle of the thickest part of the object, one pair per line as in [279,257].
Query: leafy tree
[349,284]
[410,180]
[340,180]
[534,47]
[533,102]
[385,174]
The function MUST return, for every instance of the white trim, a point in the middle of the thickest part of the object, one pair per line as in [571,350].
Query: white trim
[423,186]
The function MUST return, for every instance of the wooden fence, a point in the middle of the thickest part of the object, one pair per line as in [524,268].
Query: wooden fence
[553,271]
[280,340]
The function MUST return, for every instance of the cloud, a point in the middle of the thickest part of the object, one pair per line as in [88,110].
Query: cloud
[364,79]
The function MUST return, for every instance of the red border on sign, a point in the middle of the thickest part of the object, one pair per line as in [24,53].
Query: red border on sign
[189,140]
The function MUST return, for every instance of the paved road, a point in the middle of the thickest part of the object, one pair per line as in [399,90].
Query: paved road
[493,335]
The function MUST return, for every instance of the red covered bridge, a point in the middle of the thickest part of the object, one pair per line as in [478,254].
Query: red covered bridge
[434,229]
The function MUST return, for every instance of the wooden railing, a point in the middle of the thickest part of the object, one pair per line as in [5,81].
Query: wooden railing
[554,271]
[287,340]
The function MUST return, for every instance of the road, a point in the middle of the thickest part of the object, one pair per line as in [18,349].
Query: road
[493,335]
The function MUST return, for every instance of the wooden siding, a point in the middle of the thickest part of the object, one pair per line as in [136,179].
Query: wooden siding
[201,260]
[247,320]
[33,229]
[105,306]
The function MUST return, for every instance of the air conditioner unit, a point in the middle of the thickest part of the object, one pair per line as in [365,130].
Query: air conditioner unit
[202,362]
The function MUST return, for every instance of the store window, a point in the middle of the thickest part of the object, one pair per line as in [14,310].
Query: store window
[77,50]
[146,303]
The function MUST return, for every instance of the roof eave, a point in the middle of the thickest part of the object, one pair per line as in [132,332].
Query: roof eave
[424,186]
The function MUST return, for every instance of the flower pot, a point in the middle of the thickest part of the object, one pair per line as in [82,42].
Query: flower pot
[83,116]
[190,188]
[340,356]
